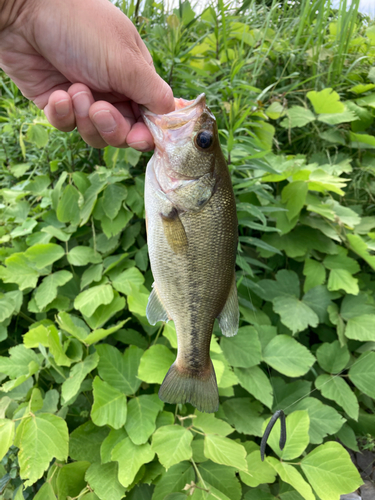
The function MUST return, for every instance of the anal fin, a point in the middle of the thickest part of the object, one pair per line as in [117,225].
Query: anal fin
[155,310]
[230,315]
[174,232]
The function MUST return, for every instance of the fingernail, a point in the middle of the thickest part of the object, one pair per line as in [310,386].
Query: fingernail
[81,103]
[104,121]
[141,145]
[62,107]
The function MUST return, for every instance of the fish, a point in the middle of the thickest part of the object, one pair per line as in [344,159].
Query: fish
[192,236]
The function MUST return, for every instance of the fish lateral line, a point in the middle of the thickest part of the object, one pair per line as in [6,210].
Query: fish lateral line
[279,414]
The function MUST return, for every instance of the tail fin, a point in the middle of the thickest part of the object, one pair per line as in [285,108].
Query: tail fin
[184,387]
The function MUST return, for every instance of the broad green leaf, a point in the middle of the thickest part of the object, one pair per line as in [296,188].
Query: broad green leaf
[93,273]
[288,356]
[85,442]
[297,431]
[294,314]
[6,436]
[341,261]
[115,226]
[68,207]
[47,336]
[47,290]
[324,420]
[102,333]
[70,479]
[105,312]
[113,196]
[155,363]
[297,116]
[315,274]
[336,389]
[331,357]
[287,283]
[142,413]
[209,424]
[362,373]
[222,450]
[18,361]
[77,375]
[113,438]
[330,471]
[109,406]
[222,478]
[172,444]
[37,134]
[255,381]
[259,472]
[19,270]
[43,255]
[341,279]
[40,438]
[361,328]
[348,438]
[325,101]
[319,299]
[124,281]
[290,475]
[45,493]
[244,415]
[294,196]
[174,479]
[356,305]
[243,350]
[89,300]
[137,301]
[120,370]
[81,256]
[73,325]
[102,478]
[130,458]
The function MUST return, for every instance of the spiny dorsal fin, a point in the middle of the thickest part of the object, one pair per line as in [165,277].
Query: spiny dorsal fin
[174,232]
[229,316]
[155,310]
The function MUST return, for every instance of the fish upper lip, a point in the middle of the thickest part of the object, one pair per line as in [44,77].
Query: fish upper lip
[147,112]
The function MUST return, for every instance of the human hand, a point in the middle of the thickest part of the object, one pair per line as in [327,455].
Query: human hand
[85,65]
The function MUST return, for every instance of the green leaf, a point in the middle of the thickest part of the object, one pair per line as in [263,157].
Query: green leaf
[105,312]
[81,256]
[47,290]
[113,438]
[93,273]
[102,333]
[294,196]
[113,196]
[336,389]
[109,406]
[356,305]
[259,472]
[44,254]
[362,373]
[287,283]
[222,450]
[130,458]
[324,420]
[85,442]
[315,274]
[341,279]
[45,493]
[336,118]
[330,471]
[155,363]
[297,430]
[6,436]
[297,116]
[120,370]
[290,475]
[325,101]
[73,325]
[331,357]
[47,337]
[18,361]
[172,443]
[124,281]
[71,479]
[244,349]
[102,478]
[115,226]
[19,270]
[294,314]
[209,424]
[288,356]
[348,438]
[174,480]
[68,207]
[89,300]
[142,413]
[40,438]
[37,134]
[77,375]
[244,413]
[361,328]
[222,478]
[255,381]
[341,261]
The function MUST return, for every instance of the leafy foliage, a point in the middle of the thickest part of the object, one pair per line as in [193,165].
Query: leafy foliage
[80,366]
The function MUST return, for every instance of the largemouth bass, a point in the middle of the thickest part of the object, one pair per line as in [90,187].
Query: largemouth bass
[192,241]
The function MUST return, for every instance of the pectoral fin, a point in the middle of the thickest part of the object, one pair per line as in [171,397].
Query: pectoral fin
[155,310]
[229,316]
[174,232]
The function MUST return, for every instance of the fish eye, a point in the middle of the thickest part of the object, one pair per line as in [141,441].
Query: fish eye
[204,139]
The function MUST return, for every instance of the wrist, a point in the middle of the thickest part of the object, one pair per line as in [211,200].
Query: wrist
[10,11]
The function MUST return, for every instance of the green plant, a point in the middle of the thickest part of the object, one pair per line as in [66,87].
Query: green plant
[79,364]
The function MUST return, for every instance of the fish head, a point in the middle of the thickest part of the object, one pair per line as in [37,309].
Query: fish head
[186,142]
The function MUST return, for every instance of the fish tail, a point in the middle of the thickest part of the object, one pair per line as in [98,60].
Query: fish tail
[186,386]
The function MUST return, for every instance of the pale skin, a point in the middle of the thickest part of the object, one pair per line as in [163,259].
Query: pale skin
[84,63]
